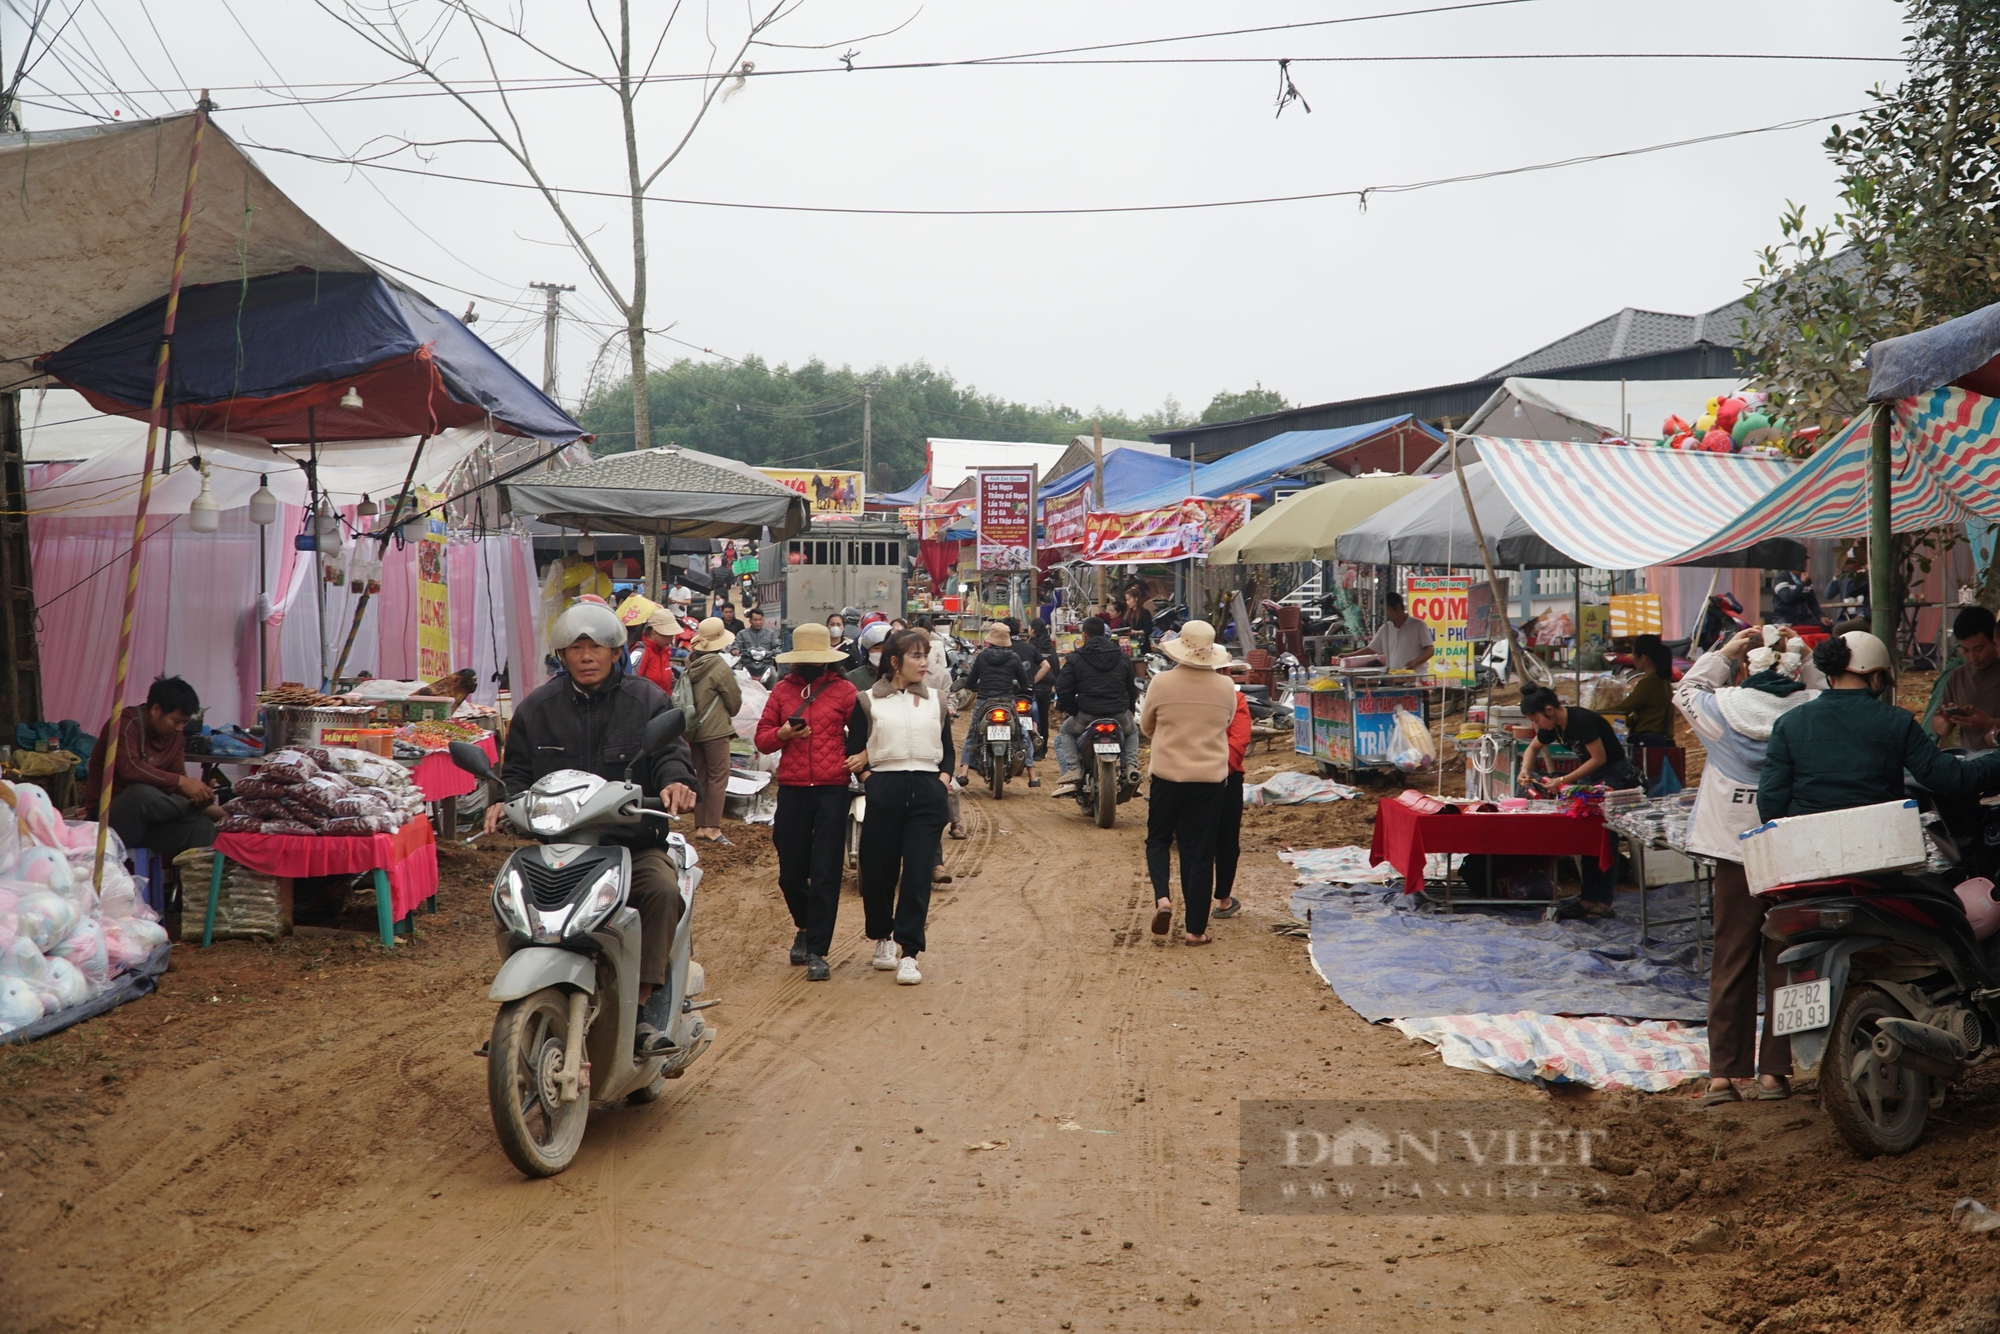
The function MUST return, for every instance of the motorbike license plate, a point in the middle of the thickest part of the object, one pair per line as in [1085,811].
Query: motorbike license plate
[1107,748]
[1802,1007]
[999,734]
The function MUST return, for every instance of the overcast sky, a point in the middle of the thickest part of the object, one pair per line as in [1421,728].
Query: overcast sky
[1318,300]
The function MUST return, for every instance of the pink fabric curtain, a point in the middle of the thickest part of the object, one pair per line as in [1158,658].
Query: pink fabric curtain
[397,605]
[1683,589]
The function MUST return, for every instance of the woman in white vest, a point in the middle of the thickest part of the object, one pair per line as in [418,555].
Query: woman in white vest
[1734,724]
[907,731]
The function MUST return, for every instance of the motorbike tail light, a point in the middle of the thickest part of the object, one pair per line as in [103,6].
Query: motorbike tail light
[1794,918]
[996,715]
[1105,729]
[1020,706]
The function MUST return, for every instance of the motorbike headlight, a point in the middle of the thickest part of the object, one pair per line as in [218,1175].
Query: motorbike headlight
[511,906]
[552,812]
[605,895]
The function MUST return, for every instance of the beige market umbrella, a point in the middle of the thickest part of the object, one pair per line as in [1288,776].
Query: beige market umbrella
[1304,526]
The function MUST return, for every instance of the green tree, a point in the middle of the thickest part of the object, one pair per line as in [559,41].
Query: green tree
[809,415]
[1228,407]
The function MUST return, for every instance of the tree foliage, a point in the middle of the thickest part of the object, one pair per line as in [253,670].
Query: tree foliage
[809,416]
[1228,407]
[1915,239]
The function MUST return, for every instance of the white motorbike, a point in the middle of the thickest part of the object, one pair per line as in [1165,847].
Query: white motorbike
[568,985]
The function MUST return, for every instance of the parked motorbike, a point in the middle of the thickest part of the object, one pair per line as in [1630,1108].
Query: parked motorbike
[1100,787]
[568,984]
[1893,981]
[1004,755]
[760,664]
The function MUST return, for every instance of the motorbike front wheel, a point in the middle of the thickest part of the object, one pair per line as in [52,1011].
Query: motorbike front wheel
[538,1131]
[1877,1108]
[1107,794]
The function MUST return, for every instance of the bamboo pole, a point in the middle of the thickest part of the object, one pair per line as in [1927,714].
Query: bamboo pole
[153,426]
[1486,555]
[388,530]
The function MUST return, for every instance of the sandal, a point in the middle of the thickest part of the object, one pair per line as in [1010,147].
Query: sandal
[1235,906]
[1716,1097]
[723,839]
[1195,940]
[1778,1094]
[1162,919]
[1034,781]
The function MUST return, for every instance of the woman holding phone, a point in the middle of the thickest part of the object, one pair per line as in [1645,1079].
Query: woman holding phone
[806,719]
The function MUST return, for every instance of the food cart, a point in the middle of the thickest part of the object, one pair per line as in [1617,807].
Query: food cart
[1345,720]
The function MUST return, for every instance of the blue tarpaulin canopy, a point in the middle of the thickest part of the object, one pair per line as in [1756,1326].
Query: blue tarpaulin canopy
[1128,474]
[1281,454]
[274,356]
[1960,352]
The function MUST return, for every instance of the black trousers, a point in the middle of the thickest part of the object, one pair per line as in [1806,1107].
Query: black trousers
[1228,836]
[163,822]
[809,830]
[907,811]
[1184,815]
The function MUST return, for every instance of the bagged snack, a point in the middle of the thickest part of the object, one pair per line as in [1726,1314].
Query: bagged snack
[268,789]
[240,824]
[246,908]
[288,764]
[293,827]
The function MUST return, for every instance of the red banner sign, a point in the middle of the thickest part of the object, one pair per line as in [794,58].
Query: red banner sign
[1190,527]
[1063,518]
[1006,518]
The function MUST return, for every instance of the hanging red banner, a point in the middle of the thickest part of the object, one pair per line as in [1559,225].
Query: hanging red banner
[1189,527]
[1063,518]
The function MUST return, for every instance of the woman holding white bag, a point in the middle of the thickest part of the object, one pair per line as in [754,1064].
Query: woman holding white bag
[1734,724]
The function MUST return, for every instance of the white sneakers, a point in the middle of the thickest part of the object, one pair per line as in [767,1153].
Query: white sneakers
[907,974]
[886,955]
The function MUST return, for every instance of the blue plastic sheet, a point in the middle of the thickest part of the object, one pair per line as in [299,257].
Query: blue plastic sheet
[1388,958]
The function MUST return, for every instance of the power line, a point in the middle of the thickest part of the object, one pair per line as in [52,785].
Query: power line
[1361,193]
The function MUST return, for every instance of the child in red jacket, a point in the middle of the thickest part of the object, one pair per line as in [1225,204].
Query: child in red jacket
[1229,829]
[805,719]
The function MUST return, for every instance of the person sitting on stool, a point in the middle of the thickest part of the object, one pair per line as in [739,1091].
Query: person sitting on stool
[154,804]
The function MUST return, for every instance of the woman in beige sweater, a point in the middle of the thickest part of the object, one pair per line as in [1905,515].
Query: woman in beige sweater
[1186,717]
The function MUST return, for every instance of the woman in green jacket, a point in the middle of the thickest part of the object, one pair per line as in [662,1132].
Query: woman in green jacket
[1850,747]
[717,697]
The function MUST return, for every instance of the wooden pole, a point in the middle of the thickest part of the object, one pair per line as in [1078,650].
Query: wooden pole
[1097,494]
[153,426]
[1881,540]
[387,531]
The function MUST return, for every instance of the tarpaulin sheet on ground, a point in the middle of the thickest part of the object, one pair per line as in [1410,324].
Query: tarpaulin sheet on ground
[1646,1055]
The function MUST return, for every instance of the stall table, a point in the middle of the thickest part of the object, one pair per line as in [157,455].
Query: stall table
[1639,836]
[404,865]
[443,782]
[1404,836]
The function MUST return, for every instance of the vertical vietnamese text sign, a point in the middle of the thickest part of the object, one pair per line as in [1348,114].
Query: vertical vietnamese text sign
[433,595]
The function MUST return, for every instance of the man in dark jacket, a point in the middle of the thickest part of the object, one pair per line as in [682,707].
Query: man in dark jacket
[996,674]
[1096,682]
[593,717]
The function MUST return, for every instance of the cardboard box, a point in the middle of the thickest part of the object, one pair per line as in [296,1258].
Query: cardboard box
[374,740]
[1862,840]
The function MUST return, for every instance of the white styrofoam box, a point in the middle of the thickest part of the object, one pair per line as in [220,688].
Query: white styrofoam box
[1861,840]
[1664,866]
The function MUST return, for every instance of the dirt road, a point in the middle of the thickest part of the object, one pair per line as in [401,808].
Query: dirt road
[295,1138]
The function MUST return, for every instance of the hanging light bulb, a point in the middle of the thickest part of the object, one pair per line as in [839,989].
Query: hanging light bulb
[263,502]
[204,515]
[351,400]
[586,545]
[367,509]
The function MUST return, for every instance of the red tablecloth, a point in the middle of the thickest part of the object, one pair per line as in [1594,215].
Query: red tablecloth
[409,856]
[1403,837]
[439,779]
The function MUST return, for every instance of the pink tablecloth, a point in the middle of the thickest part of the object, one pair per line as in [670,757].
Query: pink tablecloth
[409,856]
[438,778]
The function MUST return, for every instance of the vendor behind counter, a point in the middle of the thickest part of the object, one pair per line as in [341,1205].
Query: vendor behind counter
[154,804]
[1403,642]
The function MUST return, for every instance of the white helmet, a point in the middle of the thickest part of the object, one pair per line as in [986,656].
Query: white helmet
[587,620]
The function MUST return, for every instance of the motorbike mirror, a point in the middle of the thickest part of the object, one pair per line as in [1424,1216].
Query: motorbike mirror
[665,729]
[471,759]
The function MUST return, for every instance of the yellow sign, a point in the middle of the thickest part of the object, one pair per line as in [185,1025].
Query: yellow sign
[433,603]
[1634,614]
[828,492]
[1439,601]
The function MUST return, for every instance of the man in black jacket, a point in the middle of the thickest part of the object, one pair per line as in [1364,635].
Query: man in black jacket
[1096,682]
[593,717]
[996,674]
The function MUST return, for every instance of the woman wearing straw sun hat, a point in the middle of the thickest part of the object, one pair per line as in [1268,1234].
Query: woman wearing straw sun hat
[717,697]
[1186,716]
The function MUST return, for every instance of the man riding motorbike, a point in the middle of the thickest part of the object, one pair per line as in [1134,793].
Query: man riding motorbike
[755,636]
[593,718]
[1096,682]
[996,675]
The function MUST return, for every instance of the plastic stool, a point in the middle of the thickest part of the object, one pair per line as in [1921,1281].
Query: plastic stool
[151,873]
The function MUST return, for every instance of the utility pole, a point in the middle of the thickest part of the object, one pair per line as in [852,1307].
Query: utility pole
[867,437]
[551,312]
[1097,492]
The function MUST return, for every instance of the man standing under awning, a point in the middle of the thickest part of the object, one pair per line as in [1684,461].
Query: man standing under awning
[1404,643]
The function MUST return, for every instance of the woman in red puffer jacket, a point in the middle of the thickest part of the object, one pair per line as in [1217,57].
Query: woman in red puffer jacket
[805,720]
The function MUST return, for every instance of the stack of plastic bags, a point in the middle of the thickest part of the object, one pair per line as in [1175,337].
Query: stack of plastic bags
[62,942]
[246,909]
[310,790]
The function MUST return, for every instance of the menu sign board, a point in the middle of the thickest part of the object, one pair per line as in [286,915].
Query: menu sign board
[1439,601]
[1006,510]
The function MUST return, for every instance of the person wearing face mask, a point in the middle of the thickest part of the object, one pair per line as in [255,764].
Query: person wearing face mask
[870,648]
[805,721]
[1850,746]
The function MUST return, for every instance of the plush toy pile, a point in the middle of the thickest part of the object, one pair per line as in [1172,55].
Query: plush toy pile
[62,942]
[309,791]
[1737,424]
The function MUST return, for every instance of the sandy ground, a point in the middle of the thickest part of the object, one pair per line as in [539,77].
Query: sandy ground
[295,1137]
